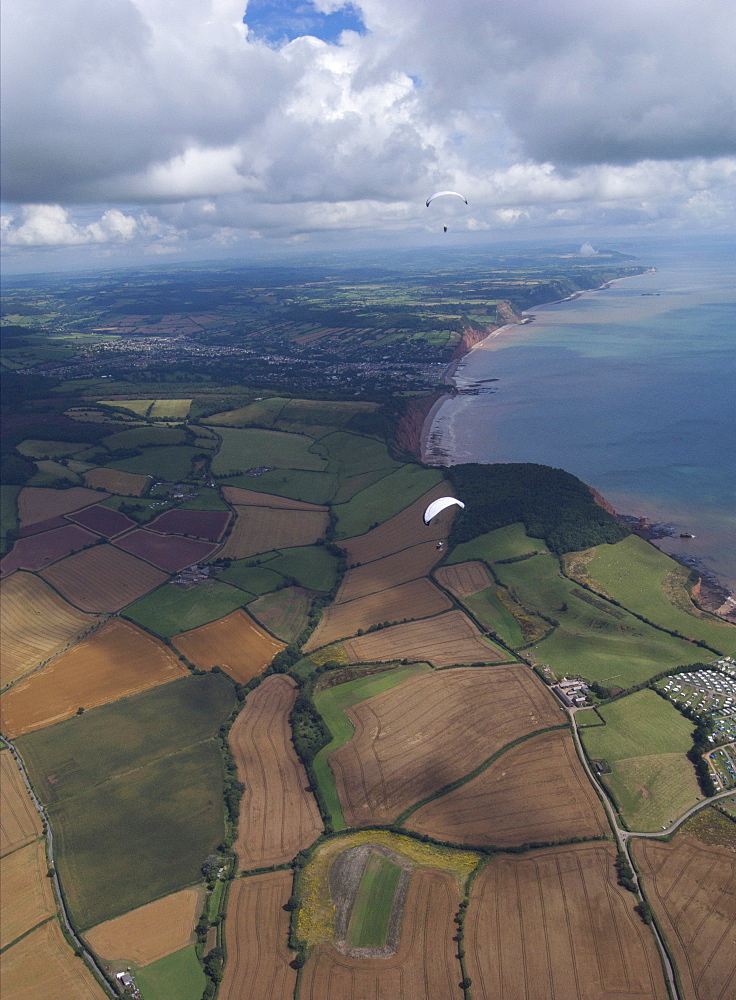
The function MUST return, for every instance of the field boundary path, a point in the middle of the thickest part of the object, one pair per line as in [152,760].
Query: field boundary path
[89,958]
[623,836]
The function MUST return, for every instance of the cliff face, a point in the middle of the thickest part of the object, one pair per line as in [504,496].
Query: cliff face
[408,434]
[474,335]
[601,501]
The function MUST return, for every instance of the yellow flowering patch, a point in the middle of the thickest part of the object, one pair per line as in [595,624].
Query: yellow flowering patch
[335,652]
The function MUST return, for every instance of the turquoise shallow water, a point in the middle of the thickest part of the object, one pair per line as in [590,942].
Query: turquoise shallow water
[631,388]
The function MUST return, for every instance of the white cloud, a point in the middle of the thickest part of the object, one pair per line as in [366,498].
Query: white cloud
[50,225]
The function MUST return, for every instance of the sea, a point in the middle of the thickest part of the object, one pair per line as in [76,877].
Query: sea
[631,387]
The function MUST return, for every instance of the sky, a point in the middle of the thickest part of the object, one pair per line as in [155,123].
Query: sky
[138,130]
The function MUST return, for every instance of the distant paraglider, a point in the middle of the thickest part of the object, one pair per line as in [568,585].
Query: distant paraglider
[439,505]
[439,194]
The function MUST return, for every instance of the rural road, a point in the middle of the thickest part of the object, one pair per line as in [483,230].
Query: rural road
[90,959]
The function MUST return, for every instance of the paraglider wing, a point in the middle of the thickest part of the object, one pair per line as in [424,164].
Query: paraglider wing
[439,194]
[437,505]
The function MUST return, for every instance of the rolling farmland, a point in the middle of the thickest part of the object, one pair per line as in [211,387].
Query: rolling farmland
[19,819]
[278,817]
[26,601]
[256,930]
[431,730]
[170,553]
[117,660]
[25,889]
[283,613]
[116,481]
[42,964]
[401,567]
[236,643]
[102,578]
[404,529]
[36,503]
[260,529]
[40,550]
[558,917]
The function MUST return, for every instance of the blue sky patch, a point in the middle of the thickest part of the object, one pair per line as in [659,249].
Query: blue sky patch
[280,21]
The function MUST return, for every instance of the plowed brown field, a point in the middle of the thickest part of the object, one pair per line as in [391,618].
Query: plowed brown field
[170,553]
[25,890]
[117,660]
[423,968]
[25,603]
[250,498]
[130,484]
[464,579]
[431,730]
[400,532]
[278,817]
[37,551]
[417,599]
[206,524]
[103,578]
[692,889]
[259,529]
[236,643]
[556,924]
[43,965]
[388,572]
[19,819]
[536,792]
[443,641]
[35,503]
[150,932]
[256,931]
[103,520]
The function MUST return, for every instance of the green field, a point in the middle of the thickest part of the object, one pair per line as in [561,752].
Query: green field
[491,612]
[593,637]
[353,454]
[172,463]
[169,409]
[633,572]
[384,499]
[284,613]
[50,472]
[312,487]
[142,437]
[8,514]
[206,499]
[53,449]
[262,413]
[252,447]
[139,406]
[140,509]
[331,704]
[175,977]
[256,580]
[170,610]
[124,782]
[509,542]
[308,414]
[312,566]
[373,903]
[645,740]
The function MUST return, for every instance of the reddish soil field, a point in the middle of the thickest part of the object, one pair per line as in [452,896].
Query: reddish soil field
[19,819]
[236,643]
[103,578]
[414,739]
[250,498]
[400,532]
[283,613]
[117,660]
[149,932]
[692,890]
[43,965]
[128,483]
[41,550]
[207,524]
[36,503]
[416,599]
[464,579]
[557,924]
[259,529]
[171,553]
[443,641]
[536,792]
[47,525]
[27,896]
[388,572]
[256,931]
[277,816]
[423,968]
[103,520]
[24,602]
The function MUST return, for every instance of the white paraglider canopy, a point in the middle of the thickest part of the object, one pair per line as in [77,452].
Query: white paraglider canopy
[437,505]
[439,194]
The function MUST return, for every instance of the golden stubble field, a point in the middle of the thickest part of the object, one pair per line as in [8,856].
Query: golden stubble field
[36,623]
[256,931]
[464,579]
[36,503]
[42,966]
[239,497]
[260,529]
[127,483]
[19,819]
[414,739]
[692,889]
[536,792]
[380,574]
[403,531]
[149,932]
[103,578]
[26,896]
[556,923]
[278,816]
[235,643]
[116,660]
